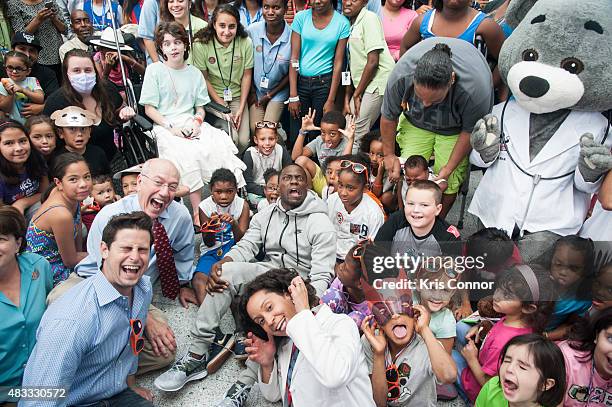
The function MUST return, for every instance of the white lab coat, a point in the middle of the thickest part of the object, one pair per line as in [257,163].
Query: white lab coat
[330,369]
[558,206]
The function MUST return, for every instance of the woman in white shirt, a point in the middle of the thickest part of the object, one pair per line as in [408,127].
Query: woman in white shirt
[310,356]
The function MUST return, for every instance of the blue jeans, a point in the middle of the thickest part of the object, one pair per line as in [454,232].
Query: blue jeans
[126,398]
[313,92]
[461,365]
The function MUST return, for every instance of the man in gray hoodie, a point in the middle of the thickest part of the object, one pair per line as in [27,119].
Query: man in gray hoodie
[293,233]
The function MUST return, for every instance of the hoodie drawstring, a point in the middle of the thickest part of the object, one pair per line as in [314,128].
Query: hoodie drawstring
[266,233]
[297,248]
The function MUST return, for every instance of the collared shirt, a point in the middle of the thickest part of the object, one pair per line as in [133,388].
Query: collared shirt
[366,36]
[74,43]
[18,324]
[149,17]
[245,17]
[83,342]
[375,6]
[276,69]
[205,59]
[179,227]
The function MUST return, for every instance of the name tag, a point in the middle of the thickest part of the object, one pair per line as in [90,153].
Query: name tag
[227,95]
[346,78]
[264,83]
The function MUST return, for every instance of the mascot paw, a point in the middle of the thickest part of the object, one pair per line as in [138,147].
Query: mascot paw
[595,159]
[485,138]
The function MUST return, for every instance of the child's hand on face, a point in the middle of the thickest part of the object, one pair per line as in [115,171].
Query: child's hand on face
[422,318]
[349,130]
[374,335]
[470,351]
[308,121]
[260,351]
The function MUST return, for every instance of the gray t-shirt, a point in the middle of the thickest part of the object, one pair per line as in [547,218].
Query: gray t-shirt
[319,149]
[416,378]
[468,100]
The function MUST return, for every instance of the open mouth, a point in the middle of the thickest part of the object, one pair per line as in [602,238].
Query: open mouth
[509,386]
[130,269]
[436,303]
[281,325]
[157,204]
[294,193]
[416,217]
[400,331]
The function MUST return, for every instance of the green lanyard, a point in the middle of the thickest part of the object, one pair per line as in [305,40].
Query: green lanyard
[231,63]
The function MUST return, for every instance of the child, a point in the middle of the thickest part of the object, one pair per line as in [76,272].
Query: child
[571,268]
[417,230]
[336,139]
[227,216]
[266,154]
[531,372]
[602,289]
[371,144]
[332,168]
[128,179]
[270,190]
[19,88]
[42,135]
[415,168]
[74,128]
[55,230]
[23,173]
[355,215]
[525,295]
[102,194]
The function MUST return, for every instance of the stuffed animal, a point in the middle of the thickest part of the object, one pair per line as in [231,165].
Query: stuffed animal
[488,316]
[547,148]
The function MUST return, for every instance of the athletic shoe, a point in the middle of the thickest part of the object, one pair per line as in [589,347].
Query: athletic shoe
[219,351]
[182,371]
[235,396]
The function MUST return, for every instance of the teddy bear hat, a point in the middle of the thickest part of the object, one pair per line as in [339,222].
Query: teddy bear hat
[73,116]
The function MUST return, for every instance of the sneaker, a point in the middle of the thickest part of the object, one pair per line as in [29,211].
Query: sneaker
[182,371]
[235,396]
[240,352]
[219,351]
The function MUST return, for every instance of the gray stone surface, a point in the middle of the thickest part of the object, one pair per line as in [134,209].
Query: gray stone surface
[209,391]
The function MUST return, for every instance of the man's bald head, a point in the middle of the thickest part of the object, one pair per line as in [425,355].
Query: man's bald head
[157,186]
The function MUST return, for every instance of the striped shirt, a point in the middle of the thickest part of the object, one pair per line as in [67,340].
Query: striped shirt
[83,342]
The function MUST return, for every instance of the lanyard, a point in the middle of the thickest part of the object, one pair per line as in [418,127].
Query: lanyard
[231,63]
[248,16]
[288,399]
[263,60]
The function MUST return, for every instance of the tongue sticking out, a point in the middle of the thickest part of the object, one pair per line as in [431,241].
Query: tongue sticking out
[400,331]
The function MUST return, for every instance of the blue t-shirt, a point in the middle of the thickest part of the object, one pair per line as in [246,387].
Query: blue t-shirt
[319,46]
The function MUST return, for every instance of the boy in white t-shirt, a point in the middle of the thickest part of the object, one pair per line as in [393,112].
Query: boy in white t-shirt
[416,167]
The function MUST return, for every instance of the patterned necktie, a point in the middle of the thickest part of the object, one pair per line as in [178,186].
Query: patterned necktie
[165,261]
[288,399]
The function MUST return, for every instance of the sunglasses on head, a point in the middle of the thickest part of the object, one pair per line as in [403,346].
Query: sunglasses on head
[357,168]
[266,125]
[136,340]
[383,311]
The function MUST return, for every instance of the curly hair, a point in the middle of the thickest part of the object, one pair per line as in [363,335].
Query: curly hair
[275,281]
[208,34]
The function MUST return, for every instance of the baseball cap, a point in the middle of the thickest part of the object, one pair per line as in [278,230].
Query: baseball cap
[25,38]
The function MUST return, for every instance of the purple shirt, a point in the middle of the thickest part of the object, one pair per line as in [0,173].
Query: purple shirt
[26,187]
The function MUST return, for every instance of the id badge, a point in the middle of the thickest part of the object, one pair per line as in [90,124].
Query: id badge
[227,95]
[264,83]
[346,78]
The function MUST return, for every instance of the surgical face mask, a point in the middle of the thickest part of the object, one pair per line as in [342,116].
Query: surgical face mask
[83,82]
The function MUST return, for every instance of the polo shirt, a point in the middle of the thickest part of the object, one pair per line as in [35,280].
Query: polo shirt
[18,325]
[270,60]
[367,35]
[205,59]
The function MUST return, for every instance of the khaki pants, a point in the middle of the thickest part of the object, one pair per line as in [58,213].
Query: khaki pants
[147,360]
[368,114]
[242,135]
[272,113]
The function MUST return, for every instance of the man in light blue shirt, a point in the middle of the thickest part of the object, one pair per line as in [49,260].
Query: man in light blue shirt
[149,16]
[89,339]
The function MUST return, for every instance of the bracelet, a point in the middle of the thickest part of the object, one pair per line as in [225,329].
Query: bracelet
[303,133]
[198,118]
[294,99]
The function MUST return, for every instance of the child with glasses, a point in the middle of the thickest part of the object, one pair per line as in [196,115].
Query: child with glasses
[355,214]
[271,190]
[18,88]
[266,154]
[337,135]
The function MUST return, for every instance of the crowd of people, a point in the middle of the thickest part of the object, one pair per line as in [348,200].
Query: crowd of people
[319,206]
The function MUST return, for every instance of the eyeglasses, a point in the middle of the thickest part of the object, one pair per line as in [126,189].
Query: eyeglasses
[214,225]
[136,340]
[357,168]
[273,189]
[158,184]
[266,125]
[15,69]
[393,383]
[433,268]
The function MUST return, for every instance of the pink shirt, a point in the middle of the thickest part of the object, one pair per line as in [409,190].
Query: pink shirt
[489,353]
[578,373]
[395,28]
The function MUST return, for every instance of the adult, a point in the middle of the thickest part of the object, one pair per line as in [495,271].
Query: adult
[323,347]
[318,43]
[272,49]
[251,11]
[131,11]
[443,87]
[396,20]
[83,87]
[149,17]
[29,45]
[82,27]
[205,8]
[295,232]
[587,362]
[46,23]
[375,6]
[89,339]
[25,281]
[178,10]
[157,185]
[598,226]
